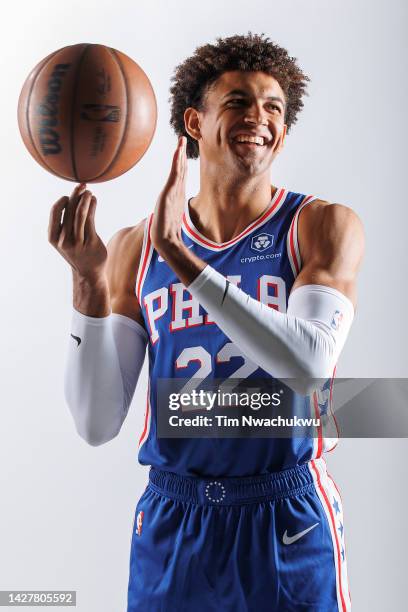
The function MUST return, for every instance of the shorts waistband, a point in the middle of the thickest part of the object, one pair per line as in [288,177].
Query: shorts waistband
[224,491]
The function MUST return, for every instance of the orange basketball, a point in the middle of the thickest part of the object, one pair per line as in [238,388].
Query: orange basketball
[87,113]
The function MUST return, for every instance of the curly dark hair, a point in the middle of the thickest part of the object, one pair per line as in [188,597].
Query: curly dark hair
[253,52]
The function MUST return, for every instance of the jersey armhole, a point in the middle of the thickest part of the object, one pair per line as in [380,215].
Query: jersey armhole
[292,243]
[145,258]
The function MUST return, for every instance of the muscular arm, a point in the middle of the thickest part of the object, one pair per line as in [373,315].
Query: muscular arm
[331,243]
[103,367]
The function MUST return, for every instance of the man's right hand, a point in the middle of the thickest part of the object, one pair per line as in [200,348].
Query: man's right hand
[75,237]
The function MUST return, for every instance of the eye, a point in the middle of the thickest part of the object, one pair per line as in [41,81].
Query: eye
[235,101]
[275,107]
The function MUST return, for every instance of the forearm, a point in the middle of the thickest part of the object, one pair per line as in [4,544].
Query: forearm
[105,356]
[91,295]
[300,345]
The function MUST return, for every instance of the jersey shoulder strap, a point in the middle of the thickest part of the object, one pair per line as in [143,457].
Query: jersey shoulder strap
[145,258]
[292,243]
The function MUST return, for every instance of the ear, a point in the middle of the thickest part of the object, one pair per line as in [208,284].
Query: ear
[192,123]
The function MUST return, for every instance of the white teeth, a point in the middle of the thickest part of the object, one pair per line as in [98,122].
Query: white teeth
[245,138]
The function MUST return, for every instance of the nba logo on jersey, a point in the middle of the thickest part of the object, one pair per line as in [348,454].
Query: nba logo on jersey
[336,319]
[261,242]
[139,522]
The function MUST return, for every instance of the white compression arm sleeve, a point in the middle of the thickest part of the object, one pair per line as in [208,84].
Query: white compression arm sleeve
[298,347]
[105,356]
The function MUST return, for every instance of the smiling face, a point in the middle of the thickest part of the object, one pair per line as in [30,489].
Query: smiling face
[242,127]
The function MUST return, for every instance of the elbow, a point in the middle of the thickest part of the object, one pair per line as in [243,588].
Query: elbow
[90,438]
[96,441]
[314,376]
[95,435]
[303,385]
[309,377]
[93,424]
[306,386]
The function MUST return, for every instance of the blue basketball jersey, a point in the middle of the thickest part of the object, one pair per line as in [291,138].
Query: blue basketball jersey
[263,260]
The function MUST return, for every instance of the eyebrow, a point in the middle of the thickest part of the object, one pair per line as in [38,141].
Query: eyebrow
[241,92]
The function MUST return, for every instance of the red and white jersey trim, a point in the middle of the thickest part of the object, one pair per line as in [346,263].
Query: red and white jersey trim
[330,443]
[318,440]
[147,418]
[292,239]
[146,255]
[327,434]
[188,226]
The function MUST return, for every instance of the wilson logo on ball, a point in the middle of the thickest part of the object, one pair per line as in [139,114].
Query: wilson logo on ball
[49,111]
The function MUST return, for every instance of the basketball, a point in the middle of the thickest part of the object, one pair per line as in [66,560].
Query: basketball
[87,113]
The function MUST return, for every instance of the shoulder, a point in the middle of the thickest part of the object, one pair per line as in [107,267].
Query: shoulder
[124,252]
[128,240]
[319,211]
[329,225]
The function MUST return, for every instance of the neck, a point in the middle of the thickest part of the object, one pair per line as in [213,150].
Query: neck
[226,205]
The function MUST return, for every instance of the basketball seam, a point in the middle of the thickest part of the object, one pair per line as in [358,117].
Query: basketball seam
[122,140]
[74,95]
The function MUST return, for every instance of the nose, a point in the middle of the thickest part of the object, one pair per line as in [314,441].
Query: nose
[255,115]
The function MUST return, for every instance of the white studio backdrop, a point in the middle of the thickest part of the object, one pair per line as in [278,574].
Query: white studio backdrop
[66,509]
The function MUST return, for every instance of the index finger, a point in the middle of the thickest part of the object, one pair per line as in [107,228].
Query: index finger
[184,158]
[54,224]
[177,163]
[71,206]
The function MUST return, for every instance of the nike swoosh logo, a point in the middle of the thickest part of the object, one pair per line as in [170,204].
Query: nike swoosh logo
[291,539]
[77,338]
[160,258]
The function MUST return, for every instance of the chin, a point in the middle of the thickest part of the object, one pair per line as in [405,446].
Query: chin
[250,164]
[251,167]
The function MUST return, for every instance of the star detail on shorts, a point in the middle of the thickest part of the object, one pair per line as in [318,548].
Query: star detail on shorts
[215,491]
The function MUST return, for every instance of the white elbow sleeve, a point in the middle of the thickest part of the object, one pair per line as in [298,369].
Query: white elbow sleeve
[326,316]
[105,356]
[302,344]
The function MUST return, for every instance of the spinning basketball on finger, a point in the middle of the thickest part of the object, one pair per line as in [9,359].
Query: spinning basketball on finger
[245,279]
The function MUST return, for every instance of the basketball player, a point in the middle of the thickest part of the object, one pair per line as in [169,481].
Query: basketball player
[246,279]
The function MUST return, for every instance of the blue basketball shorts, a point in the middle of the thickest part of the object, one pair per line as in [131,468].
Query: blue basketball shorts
[268,543]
